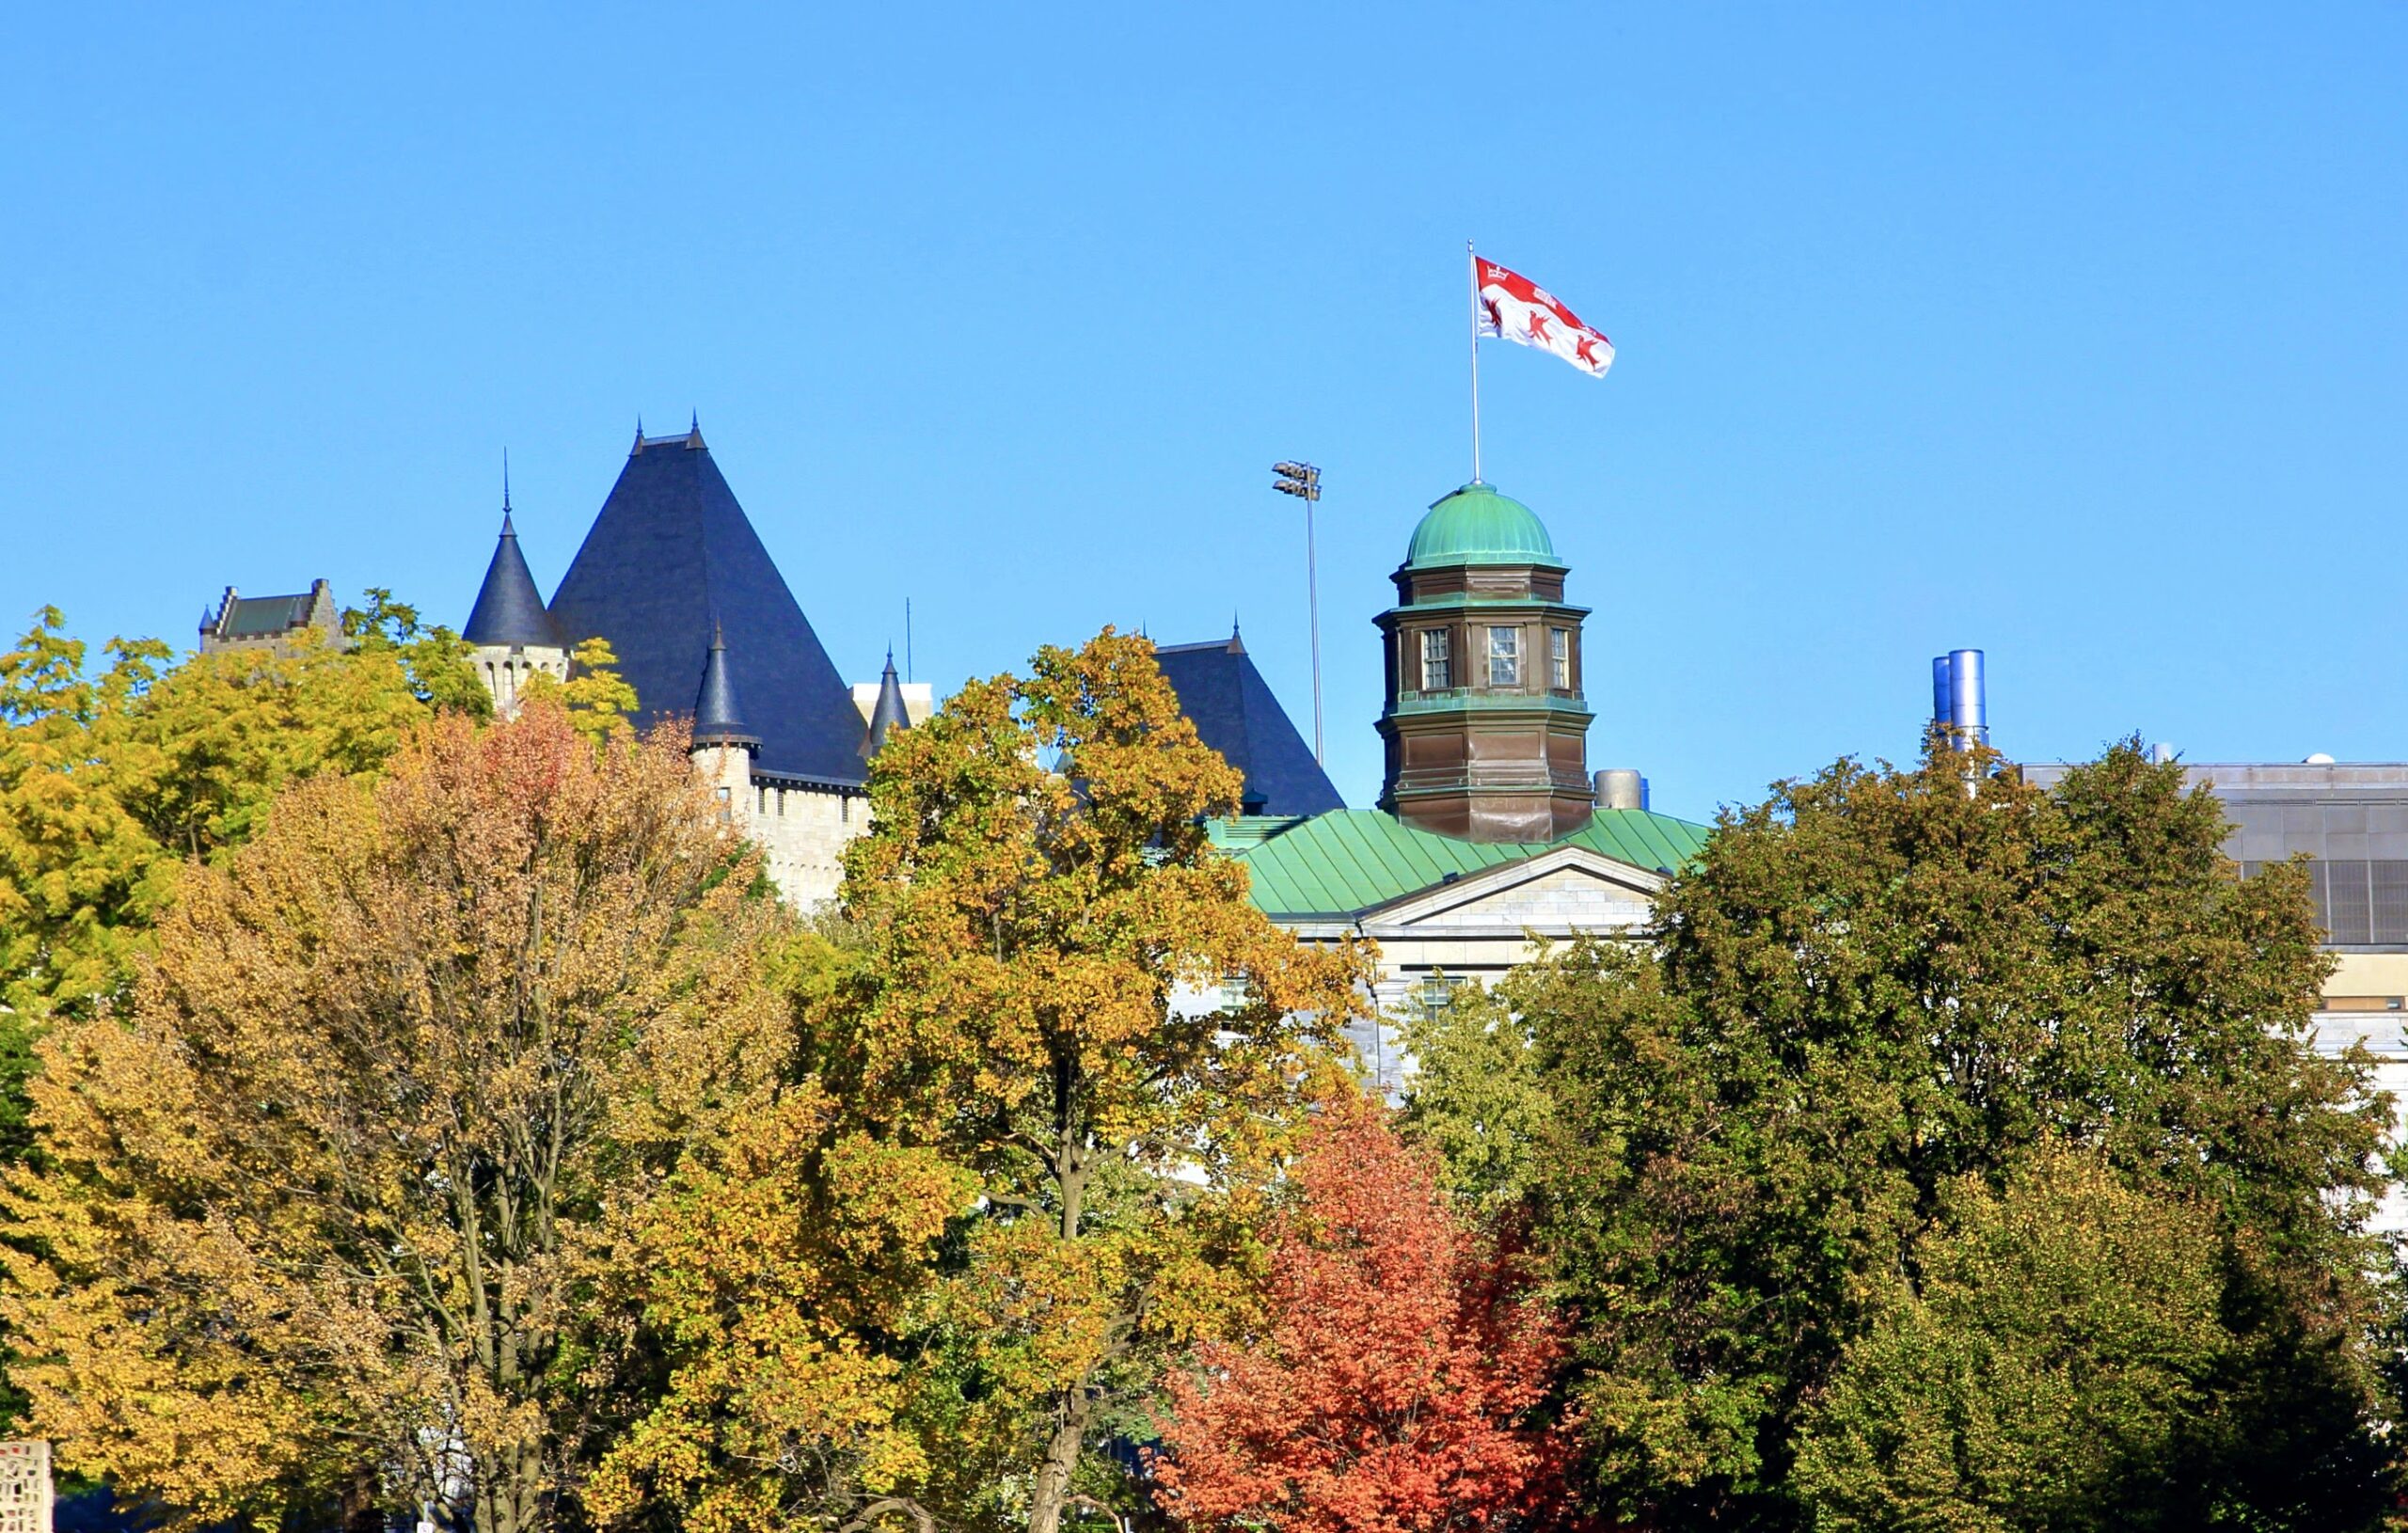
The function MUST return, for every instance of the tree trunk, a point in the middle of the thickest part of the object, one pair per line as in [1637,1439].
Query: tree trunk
[1053,1488]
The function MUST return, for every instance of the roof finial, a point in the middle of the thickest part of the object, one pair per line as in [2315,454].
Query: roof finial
[505,494]
[1237,646]
[639,447]
[694,429]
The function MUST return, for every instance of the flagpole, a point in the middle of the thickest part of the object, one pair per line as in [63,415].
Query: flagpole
[1472,270]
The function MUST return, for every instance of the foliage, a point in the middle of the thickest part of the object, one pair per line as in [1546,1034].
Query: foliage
[770,1268]
[1053,986]
[1393,1385]
[110,781]
[597,698]
[1477,1097]
[435,660]
[1880,983]
[2042,1373]
[338,1193]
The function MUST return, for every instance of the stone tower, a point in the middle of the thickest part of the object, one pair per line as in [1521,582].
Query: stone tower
[1485,724]
[512,639]
[723,744]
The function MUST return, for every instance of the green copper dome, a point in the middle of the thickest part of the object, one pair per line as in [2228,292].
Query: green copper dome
[1478,526]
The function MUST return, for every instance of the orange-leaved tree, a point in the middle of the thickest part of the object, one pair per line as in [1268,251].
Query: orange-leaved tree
[1397,1384]
[1060,985]
[322,1216]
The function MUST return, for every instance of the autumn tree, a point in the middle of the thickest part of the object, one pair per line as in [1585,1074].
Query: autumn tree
[773,1273]
[432,656]
[1394,1382]
[1879,984]
[339,1190]
[599,701]
[1055,986]
[112,778]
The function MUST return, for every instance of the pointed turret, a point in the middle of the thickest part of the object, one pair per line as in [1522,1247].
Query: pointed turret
[890,714]
[717,719]
[724,748]
[509,610]
[512,636]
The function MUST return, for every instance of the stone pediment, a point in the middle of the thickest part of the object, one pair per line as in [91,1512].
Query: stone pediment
[1557,893]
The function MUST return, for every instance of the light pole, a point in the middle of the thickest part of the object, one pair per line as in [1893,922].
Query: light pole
[1303,481]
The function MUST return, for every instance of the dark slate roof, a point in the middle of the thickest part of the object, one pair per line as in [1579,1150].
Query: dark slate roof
[889,715]
[717,720]
[671,551]
[255,615]
[509,609]
[1233,709]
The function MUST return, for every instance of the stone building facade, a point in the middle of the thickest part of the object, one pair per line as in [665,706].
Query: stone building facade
[271,623]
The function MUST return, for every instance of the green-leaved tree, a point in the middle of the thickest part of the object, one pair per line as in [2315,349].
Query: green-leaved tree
[1880,987]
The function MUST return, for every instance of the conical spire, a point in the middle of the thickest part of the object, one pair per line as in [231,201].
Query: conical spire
[717,719]
[509,611]
[890,714]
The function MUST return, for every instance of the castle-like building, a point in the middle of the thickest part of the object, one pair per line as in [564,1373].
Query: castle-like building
[1490,839]
[673,576]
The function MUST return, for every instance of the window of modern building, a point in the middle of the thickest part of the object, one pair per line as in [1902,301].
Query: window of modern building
[1504,656]
[1437,664]
[1558,657]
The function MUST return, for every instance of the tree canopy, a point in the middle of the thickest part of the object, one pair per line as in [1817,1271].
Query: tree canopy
[1877,990]
[1393,1384]
[335,1198]
[112,778]
[1054,991]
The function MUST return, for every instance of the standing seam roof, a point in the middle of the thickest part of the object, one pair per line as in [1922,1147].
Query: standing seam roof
[1340,864]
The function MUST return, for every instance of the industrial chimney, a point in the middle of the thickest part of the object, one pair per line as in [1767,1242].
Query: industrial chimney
[1959,706]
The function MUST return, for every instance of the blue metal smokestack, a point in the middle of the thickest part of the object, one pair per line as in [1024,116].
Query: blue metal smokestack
[1959,700]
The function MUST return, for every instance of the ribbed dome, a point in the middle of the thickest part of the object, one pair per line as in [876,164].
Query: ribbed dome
[1478,526]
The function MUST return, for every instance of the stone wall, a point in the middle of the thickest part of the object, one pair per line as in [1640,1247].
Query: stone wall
[801,830]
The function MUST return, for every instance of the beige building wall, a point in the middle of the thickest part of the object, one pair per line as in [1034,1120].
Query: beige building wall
[506,670]
[802,832]
[2365,1002]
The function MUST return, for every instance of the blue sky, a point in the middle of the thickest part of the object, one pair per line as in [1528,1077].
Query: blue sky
[2075,332]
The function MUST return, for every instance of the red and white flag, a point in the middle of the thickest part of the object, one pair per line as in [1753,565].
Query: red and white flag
[1518,310]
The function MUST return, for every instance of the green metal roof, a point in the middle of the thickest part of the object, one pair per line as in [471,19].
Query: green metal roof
[1478,526]
[1349,861]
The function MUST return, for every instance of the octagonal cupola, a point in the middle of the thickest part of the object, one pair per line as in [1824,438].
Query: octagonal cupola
[1486,722]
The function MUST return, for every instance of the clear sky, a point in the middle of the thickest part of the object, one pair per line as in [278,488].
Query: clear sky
[2072,332]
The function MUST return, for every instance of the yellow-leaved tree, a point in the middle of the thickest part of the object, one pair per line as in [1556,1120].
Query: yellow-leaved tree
[326,1216]
[1055,1015]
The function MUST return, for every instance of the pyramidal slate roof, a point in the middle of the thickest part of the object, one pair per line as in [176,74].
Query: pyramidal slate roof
[509,610]
[673,553]
[1233,709]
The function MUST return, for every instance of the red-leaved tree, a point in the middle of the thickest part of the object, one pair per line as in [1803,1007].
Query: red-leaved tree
[1393,1387]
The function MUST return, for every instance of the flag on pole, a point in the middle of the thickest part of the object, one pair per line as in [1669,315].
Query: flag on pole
[1513,307]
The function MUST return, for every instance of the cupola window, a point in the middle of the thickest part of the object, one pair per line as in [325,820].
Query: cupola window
[1504,656]
[1437,663]
[1558,657]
